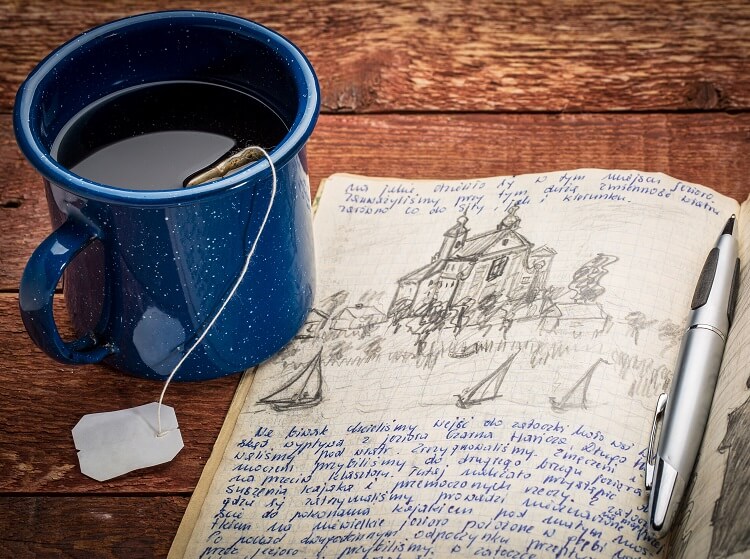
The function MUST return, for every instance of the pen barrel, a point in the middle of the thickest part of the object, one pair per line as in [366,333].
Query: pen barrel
[690,398]
[716,293]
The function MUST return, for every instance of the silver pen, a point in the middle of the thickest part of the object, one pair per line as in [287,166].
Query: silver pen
[685,411]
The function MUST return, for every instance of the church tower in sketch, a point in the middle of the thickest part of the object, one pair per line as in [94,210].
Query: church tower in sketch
[499,265]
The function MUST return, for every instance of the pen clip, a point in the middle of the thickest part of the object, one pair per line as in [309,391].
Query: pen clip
[661,405]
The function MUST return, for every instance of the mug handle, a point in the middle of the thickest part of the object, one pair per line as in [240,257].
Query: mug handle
[37,290]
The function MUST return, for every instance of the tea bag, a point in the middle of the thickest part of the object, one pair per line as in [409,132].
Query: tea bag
[225,165]
[114,443]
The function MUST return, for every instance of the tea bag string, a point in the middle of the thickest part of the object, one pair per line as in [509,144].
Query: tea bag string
[232,291]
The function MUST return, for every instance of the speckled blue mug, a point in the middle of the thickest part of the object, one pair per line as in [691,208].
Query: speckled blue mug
[146,270]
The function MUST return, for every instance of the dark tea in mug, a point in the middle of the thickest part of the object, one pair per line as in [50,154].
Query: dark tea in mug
[157,136]
[115,121]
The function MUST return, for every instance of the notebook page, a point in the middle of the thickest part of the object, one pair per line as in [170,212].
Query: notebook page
[715,521]
[478,375]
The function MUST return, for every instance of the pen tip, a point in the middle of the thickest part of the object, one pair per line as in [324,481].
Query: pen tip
[729,227]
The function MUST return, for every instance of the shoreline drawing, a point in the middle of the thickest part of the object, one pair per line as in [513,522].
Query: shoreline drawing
[477,393]
[304,390]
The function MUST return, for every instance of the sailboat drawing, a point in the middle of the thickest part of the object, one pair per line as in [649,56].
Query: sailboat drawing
[486,389]
[304,390]
[576,396]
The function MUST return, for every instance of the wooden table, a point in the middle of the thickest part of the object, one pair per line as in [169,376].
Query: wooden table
[444,90]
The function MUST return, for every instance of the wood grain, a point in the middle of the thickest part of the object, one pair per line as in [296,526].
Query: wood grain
[88,527]
[712,149]
[42,400]
[429,89]
[462,56]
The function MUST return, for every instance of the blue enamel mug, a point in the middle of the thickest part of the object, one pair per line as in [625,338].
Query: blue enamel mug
[146,271]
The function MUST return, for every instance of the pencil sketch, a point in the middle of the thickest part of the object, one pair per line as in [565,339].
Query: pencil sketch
[487,279]
[483,297]
[576,396]
[461,349]
[638,322]
[358,317]
[679,541]
[314,324]
[583,314]
[679,544]
[587,279]
[303,390]
[731,537]
[488,388]
[671,334]
[319,316]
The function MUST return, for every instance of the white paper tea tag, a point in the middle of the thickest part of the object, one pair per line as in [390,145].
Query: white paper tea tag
[111,444]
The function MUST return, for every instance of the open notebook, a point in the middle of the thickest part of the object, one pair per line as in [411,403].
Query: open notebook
[478,378]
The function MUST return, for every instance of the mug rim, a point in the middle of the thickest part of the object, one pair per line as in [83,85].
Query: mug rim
[45,164]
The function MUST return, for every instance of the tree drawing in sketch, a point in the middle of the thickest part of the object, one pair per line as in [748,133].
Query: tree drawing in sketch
[670,333]
[303,390]
[731,536]
[576,396]
[428,318]
[482,280]
[587,279]
[582,313]
[637,321]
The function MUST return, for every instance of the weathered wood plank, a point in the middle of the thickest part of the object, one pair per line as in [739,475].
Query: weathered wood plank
[42,400]
[89,527]
[443,57]
[708,148]
[463,56]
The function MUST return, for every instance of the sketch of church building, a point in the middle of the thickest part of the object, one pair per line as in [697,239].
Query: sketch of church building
[494,270]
